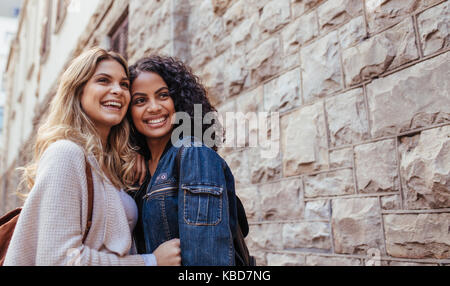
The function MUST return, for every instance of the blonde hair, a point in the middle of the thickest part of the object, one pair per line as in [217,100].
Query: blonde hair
[73,124]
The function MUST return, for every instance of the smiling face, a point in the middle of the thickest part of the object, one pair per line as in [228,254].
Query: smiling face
[106,96]
[152,108]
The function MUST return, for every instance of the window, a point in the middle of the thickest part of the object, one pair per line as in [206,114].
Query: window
[46,25]
[61,11]
[119,36]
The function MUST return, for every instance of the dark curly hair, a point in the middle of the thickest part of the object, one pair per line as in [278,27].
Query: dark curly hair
[185,89]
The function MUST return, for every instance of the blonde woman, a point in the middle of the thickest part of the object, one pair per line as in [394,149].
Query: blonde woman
[86,120]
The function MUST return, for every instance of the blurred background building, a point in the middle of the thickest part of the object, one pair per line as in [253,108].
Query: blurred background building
[362,88]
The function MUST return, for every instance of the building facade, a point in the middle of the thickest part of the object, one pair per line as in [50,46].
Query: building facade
[360,87]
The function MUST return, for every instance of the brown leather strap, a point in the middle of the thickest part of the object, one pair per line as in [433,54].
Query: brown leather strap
[90,188]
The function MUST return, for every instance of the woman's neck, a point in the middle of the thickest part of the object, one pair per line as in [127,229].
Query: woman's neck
[156,147]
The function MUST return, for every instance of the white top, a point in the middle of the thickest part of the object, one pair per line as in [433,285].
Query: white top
[131,211]
[52,223]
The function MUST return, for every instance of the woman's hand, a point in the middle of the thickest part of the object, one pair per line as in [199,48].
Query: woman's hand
[140,170]
[168,253]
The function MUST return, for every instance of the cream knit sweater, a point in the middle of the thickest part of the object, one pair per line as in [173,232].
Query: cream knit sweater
[52,223]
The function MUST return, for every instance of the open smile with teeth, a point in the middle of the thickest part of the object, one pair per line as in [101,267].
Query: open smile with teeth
[112,104]
[156,121]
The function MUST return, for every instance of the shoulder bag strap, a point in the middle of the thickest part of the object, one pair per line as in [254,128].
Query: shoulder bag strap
[90,188]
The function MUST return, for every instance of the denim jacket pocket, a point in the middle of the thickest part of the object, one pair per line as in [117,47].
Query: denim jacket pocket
[202,204]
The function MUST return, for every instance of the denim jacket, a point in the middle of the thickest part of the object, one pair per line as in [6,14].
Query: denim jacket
[198,205]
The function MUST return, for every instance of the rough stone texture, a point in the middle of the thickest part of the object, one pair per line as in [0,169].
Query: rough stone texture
[382,14]
[250,103]
[434,28]
[332,183]
[307,235]
[304,141]
[275,15]
[299,32]
[376,167]
[347,118]
[381,53]
[314,260]
[334,13]
[352,33]
[283,93]
[263,169]
[264,61]
[299,7]
[321,67]
[403,263]
[318,210]
[250,198]
[341,158]
[425,169]
[238,162]
[356,225]
[411,98]
[278,259]
[265,236]
[417,235]
[391,202]
[287,193]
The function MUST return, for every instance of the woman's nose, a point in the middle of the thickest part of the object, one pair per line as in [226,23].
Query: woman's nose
[116,88]
[153,106]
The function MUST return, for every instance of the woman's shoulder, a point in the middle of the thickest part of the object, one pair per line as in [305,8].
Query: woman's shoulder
[64,149]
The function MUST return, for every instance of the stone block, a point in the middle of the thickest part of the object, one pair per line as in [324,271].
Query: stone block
[283,93]
[238,163]
[304,141]
[265,236]
[334,13]
[333,183]
[263,169]
[425,169]
[282,200]
[307,235]
[299,7]
[352,33]
[391,202]
[315,260]
[356,225]
[382,14]
[434,28]
[321,67]
[249,197]
[265,60]
[381,53]
[283,259]
[412,98]
[347,118]
[275,15]
[318,210]
[341,158]
[376,167]
[299,32]
[418,235]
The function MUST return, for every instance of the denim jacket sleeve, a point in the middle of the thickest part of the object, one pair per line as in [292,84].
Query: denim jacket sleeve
[204,209]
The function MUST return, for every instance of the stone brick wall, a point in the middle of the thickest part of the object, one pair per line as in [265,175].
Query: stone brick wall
[362,88]
[362,176]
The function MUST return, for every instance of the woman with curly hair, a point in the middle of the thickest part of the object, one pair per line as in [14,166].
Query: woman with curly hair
[85,129]
[188,192]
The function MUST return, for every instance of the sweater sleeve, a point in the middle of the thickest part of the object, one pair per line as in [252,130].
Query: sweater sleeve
[60,183]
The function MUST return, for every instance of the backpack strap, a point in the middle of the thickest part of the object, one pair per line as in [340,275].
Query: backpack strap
[90,188]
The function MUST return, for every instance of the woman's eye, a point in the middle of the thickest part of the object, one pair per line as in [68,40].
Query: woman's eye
[138,101]
[126,85]
[103,79]
[164,95]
